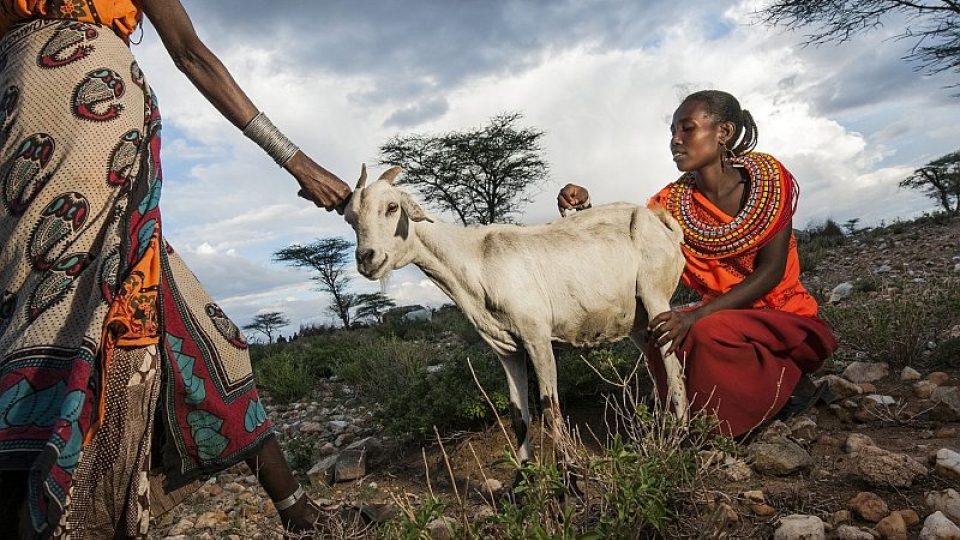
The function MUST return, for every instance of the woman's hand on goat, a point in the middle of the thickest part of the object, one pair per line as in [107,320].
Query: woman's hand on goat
[671,327]
[317,184]
[573,197]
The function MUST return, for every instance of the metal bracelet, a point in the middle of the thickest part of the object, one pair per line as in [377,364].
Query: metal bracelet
[283,504]
[262,131]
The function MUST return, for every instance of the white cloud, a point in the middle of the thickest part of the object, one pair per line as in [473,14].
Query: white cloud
[603,101]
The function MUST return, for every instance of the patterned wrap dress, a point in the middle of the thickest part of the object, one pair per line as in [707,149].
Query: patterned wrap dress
[743,364]
[104,332]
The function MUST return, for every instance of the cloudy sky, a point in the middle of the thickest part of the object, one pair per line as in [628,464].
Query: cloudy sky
[600,77]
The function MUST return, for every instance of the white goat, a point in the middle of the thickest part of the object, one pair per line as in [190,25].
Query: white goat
[575,280]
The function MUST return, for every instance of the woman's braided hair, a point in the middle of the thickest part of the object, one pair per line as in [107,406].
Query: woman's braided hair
[726,108]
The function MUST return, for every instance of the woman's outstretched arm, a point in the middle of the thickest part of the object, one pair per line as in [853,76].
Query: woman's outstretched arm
[212,79]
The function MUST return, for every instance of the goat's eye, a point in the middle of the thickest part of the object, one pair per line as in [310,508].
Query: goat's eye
[392,207]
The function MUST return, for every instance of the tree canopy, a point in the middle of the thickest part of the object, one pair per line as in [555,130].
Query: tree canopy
[268,323]
[939,180]
[932,27]
[329,258]
[481,176]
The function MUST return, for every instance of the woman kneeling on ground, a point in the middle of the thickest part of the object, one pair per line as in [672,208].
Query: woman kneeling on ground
[749,345]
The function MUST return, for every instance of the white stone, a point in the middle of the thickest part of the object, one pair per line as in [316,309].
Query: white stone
[881,400]
[948,464]
[856,441]
[909,374]
[938,527]
[866,372]
[799,527]
[946,501]
[840,292]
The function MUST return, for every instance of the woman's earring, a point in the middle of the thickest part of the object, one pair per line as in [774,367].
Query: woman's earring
[725,154]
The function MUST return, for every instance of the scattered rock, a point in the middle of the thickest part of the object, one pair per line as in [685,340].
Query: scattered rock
[311,427]
[321,474]
[866,372]
[492,485]
[803,427]
[755,496]
[856,441]
[378,513]
[840,387]
[727,513]
[442,528]
[892,527]
[946,501]
[800,527]
[949,396]
[849,532]
[887,469]
[371,447]
[763,509]
[869,506]
[840,292]
[938,378]
[881,400]
[948,464]
[779,458]
[776,431]
[839,517]
[910,517]
[938,527]
[909,374]
[182,527]
[735,470]
[328,449]
[210,520]
[351,465]
[923,389]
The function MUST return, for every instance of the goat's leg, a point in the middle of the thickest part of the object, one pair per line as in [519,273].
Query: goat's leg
[676,387]
[545,365]
[515,366]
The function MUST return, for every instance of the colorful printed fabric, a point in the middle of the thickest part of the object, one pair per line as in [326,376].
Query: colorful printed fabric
[84,272]
[122,16]
[721,250]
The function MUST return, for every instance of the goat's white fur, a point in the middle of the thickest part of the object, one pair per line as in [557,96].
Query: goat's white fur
[575,280]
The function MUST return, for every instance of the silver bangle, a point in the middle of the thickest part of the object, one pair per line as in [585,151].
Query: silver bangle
[283,504]
[262,131]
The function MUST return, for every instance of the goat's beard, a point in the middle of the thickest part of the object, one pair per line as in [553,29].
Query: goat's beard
[384,280]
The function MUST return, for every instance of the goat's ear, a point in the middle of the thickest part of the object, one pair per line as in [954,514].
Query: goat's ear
[390,174]
[363,178]
[413,209]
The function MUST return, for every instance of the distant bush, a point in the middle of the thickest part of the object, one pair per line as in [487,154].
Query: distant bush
[895,329]
[285,376]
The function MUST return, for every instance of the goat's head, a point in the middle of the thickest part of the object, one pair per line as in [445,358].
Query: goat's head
[382,215]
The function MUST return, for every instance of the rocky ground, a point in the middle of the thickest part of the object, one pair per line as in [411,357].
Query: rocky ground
[883,461]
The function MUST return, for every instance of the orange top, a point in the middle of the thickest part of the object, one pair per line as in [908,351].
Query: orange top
[714,268]
[122,16]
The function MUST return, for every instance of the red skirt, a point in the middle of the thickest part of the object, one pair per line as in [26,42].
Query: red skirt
[743,364]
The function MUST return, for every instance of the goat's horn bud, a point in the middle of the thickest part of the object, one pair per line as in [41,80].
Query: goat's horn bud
[363,177]
[390,174]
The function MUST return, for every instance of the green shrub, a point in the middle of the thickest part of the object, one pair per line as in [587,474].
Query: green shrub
[285,376]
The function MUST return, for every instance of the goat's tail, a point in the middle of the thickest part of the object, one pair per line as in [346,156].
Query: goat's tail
[664,216]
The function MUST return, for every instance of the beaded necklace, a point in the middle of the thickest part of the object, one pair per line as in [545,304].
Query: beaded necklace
[771,202]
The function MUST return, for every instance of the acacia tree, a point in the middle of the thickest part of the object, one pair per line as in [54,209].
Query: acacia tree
[267,323]
[932,26]
[329,257]
[939,180]
[482,176]
[373,306]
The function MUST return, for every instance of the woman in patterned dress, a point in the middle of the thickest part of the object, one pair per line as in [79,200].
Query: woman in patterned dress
[105,334]
[750,343]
